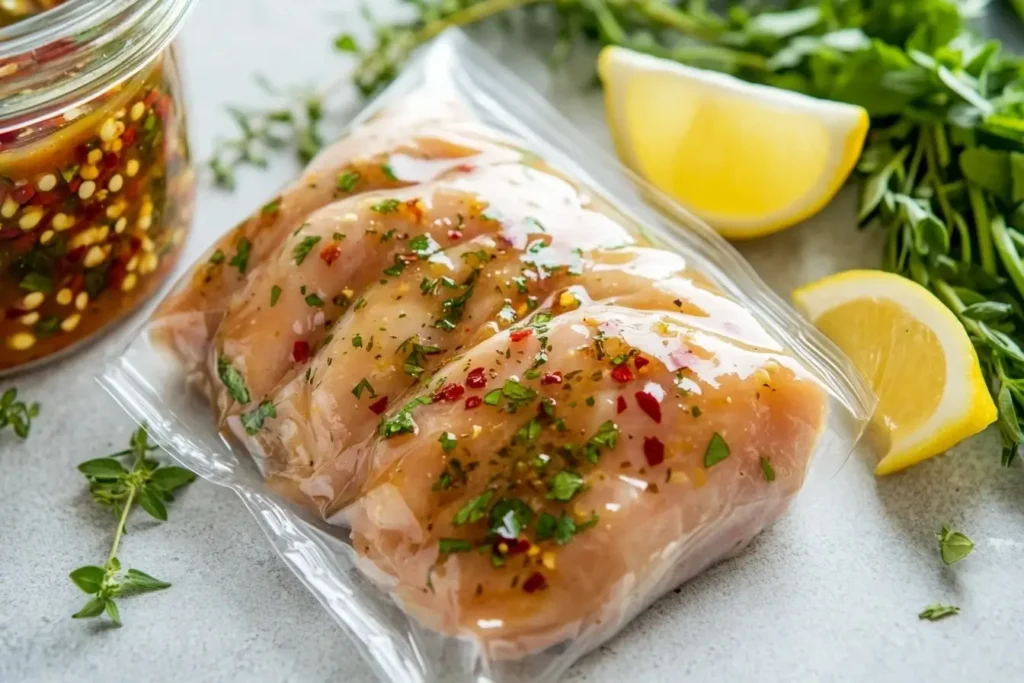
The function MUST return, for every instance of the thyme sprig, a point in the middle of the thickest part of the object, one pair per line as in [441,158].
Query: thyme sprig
[146,482]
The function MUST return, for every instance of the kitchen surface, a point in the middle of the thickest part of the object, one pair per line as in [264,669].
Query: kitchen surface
[832,592]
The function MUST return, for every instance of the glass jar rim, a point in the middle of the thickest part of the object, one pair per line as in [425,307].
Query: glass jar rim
[63,57]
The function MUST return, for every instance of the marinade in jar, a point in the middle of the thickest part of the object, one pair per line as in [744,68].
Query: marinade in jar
[94,205]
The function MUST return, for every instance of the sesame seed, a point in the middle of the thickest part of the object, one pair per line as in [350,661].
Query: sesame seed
[62,221]
[138,109]
[132,168]
[116,183]
[147,244]
[146,209]
[21,341]
[64,296]
[9,208]
[118,129]
[30,318]
[116,145]
[94,156]
[108,131]
[102,233]
[548,559]
[145,222]
[115,210]
[149,263]
[94,257]
[120,225]
[30,218]
[46,237]
[82,300]
[33,300]
[47,182]
[129,282]
[71,322]
[87,189]
[89,172]
[132,264]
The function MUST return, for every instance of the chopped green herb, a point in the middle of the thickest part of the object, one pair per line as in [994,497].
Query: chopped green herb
[314,301]
[396,269]
[695,411]
[364,383]
[938,611]
[516,394]
[217,258]
[520,283]
[474,510]
[767,469]
[528,432]
[357,341]
[448,442]
[454,545]
[253,420]
[717,451]
[360,303]
[402,422]
[453,310]
[338,237]
[953,545]
[36,282]
[17,414]
[547,524]
[564,485]
[492,398]
[417,358]
[510,517]
[386,206]
[388,172]
[241,258]
[271,208]
[233,380]
[302,249]
[275,294]
[347,181]
[607,436]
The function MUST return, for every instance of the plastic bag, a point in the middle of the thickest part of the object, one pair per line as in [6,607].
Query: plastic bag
[403,589]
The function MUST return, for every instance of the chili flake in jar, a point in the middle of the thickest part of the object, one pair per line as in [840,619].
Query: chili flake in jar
[95,204]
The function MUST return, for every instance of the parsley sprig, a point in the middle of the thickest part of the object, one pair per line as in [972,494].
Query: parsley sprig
[149,484]
[16,414]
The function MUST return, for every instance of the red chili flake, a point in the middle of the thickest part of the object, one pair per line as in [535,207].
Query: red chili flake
[476,379]
[536,582]
[640,362]
[13,313]
[23,193]
[380,406]
[551,378]
[465,168]
[116,274]
[452,392]
[9,234]
[75,183]
[649,405]
[515,546]
[621,404]
[300,351]
[473,402]
[330,253]
[75,254]
[128,138]
[520,335]
[654,450]
[455,234]
[622,373]
[111,160]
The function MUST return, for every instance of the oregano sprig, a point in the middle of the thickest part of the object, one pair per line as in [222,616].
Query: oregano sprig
[16,414]
[150,484]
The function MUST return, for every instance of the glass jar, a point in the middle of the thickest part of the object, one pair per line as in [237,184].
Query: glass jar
[96,186]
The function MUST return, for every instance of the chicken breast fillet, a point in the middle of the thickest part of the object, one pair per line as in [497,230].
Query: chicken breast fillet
[533,421]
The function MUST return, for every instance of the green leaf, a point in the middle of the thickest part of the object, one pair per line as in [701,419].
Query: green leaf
[93,608]
[454,545]
[346,43]
[474,510]
[275,294]
[767,469]
[348,180]
[171,478]
[510,517]
[448,442]
[547,525]
[988,311]
[142,582]
[989,169]
[938,611]
[112,611]
[150,501]
[102,468]
[953,545]
[566,529]
[233,380]
[241,258]
[302,249]
[89,578]
[717,451]
[1008,420]
[564,485]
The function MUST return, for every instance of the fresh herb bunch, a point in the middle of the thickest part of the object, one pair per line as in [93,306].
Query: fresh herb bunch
[16,414]
[943,171]
[294,124]
[145,482]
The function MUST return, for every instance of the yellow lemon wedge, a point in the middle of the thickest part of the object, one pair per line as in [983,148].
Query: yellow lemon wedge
[913,351]
[749,159]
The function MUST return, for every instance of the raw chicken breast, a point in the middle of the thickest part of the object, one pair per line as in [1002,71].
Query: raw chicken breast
[533,420]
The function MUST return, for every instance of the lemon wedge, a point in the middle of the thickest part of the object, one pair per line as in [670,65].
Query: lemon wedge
[913,351]
[749,159]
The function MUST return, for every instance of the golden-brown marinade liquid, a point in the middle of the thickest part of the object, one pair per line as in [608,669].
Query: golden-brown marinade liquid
[94,204]
[12,11]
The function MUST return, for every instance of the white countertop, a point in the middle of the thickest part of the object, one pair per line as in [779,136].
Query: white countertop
[830,593]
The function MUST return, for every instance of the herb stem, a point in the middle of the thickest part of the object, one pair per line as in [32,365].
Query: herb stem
[1008,253]
[119,531]
[981,223]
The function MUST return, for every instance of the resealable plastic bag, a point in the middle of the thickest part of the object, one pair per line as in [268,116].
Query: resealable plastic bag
[342,555]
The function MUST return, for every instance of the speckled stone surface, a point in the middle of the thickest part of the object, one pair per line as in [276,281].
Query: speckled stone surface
[830,593]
